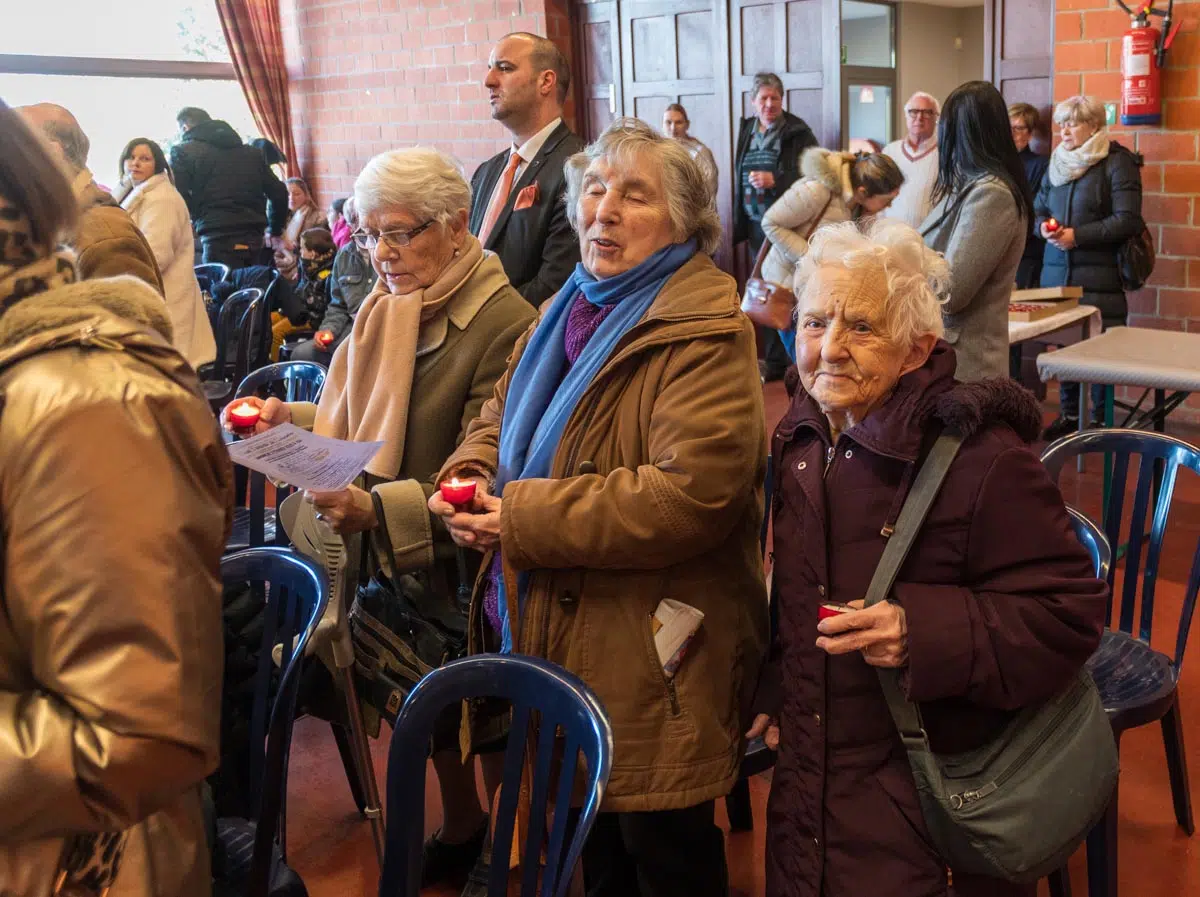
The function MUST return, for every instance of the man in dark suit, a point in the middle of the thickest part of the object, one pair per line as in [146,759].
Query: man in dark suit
[517,207]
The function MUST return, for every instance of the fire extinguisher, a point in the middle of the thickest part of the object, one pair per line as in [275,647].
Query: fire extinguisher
[1143,48]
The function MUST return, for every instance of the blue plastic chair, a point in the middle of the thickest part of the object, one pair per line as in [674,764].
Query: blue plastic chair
[295,593]
[218,379]
[301,381]
[1093,540]
[561,702]
[1138,684]
[211,273]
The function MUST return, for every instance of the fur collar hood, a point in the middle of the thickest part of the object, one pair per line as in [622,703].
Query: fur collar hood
[113,307]
[829,168]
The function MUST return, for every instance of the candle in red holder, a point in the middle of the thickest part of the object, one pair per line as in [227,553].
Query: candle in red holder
[1052,225]
[825,611]
[323,338]
[243,416]
[458,492]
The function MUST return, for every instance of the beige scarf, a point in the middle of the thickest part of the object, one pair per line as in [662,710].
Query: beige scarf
[1070,165]
[370,380]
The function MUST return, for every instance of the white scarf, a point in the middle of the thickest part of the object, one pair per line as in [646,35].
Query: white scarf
[1069,165]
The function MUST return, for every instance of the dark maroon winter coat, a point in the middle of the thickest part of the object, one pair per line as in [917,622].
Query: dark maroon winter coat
[1002,610]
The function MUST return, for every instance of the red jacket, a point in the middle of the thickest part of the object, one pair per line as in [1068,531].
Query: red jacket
[1002,609]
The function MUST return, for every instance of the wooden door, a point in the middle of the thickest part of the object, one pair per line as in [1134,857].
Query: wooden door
[597,74]
[798,40]
[676,51]
[1019,55]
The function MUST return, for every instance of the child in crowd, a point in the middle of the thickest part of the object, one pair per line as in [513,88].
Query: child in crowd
[338,226]
[312,293]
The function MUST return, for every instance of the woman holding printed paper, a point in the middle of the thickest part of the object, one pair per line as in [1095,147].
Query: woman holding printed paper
[620,463]
[425,351]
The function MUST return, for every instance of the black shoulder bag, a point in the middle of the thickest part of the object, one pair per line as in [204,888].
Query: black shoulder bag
[1017,807]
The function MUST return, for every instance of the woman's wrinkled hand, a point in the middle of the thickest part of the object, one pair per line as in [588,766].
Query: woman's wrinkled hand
[879,632]
[476,526]
[271,413]
[767,728]
[351,510]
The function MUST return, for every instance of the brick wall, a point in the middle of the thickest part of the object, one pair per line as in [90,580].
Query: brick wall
[372,75]
[1087,59]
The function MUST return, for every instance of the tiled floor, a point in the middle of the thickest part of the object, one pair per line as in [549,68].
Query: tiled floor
[331,846]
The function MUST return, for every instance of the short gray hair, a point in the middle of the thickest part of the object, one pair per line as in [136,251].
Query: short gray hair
[422,181]
[922,95]
[1081,109]
[685,187]
[767,79]
[916,276]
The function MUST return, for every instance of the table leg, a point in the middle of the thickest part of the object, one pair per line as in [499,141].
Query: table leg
[1108,461]
[1084,389]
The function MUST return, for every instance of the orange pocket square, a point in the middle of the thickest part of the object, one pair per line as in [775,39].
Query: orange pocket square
[527,197]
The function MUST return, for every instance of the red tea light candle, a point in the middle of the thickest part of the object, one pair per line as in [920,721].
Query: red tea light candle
[1052,225]
[244,416]
[458,492]
[825,611]
[323,338]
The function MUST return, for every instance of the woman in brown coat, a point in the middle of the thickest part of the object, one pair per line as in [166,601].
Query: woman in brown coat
[995,609]
[620,463]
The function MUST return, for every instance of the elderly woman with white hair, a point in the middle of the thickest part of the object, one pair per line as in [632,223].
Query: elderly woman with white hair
[620,467]
[1089,204]
[424,353]
[996,608]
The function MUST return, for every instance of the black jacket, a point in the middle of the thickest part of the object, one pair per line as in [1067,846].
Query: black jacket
[536,245]
[227,185]
[1104,206]
[797,136]
[1035,172]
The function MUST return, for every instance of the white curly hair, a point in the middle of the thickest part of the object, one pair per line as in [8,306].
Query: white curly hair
[916,276]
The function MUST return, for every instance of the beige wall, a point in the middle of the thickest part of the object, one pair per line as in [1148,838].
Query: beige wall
[926,57]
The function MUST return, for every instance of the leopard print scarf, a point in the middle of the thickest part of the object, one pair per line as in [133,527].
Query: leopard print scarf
[23,271]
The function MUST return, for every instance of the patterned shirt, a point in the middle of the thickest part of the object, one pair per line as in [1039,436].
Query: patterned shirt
[761,155]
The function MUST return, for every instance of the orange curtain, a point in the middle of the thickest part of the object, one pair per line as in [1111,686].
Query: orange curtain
[255,39]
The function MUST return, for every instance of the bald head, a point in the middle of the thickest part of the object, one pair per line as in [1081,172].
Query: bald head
[62,129]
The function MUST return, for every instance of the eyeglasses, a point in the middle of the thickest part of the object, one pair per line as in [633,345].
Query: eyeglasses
[393,239]
[1019,129]
[921,113]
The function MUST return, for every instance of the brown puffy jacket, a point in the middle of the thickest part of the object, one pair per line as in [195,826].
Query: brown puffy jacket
[115,493]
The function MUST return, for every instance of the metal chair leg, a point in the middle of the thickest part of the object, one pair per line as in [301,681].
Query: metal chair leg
[366,769]
[737,807]
[1102,853]
[1060,882]
[1172,730]
[341,737]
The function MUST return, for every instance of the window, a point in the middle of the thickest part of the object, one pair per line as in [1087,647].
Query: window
[123,71]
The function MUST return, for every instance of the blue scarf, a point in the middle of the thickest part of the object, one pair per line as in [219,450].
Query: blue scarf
[540,400]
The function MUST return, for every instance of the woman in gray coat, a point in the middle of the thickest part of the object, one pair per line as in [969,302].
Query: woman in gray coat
[981,213]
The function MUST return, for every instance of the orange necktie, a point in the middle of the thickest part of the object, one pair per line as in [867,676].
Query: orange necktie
[499,197]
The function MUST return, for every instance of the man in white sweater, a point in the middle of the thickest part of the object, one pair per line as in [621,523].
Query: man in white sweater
[917,156]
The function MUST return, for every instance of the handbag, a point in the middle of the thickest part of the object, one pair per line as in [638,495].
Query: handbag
[769,304]
[1018,806]
[1135,260]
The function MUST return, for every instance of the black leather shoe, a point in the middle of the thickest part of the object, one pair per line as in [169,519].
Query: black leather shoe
[1059,427]
[442,862]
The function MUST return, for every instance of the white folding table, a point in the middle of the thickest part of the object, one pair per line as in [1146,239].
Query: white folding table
[1086,316]
[1159,360]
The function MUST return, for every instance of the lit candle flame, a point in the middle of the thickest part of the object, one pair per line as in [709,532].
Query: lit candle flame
[245,410]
